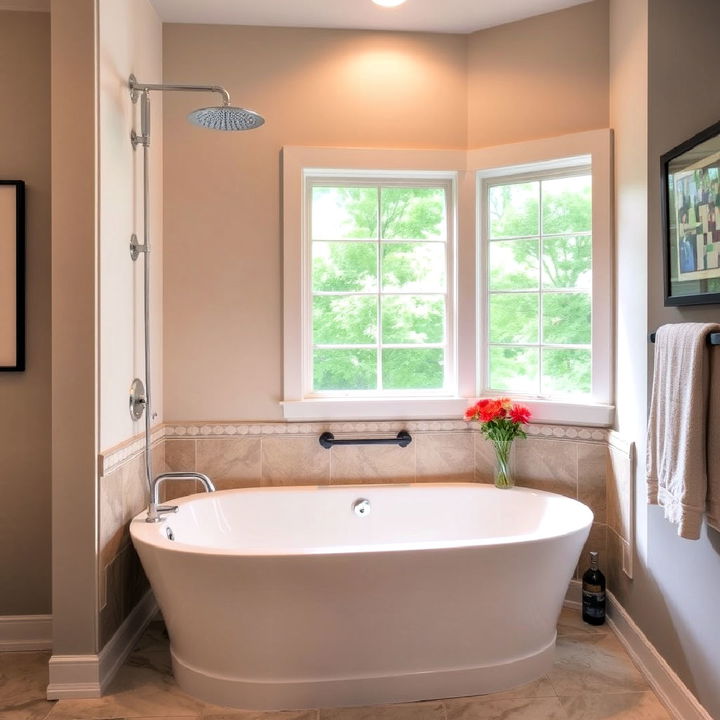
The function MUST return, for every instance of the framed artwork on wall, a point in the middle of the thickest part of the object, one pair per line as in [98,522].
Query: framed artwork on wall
[690,201]
[12,275]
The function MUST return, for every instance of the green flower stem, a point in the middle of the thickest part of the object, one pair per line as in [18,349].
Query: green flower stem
[503,474]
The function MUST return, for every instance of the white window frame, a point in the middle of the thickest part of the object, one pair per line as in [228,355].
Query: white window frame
[468,169]
[518,161]
[300,164]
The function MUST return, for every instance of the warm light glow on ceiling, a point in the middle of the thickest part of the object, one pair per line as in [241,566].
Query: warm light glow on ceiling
[389,3]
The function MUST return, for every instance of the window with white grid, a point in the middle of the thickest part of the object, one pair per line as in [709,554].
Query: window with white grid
[538,285]
[378,284]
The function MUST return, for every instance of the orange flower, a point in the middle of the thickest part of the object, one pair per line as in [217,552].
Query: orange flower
[490,410]
[471,413]
[501,418]
[519,414]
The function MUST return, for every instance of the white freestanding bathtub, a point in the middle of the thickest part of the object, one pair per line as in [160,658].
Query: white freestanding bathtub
[280,598]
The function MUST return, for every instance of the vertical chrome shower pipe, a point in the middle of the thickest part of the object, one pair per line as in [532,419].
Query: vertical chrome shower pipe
[145,140]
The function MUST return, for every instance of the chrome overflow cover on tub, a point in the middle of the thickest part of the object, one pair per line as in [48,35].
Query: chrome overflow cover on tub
[361,507]
[170,534]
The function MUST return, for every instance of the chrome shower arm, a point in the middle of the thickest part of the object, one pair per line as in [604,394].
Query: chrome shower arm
[136,88]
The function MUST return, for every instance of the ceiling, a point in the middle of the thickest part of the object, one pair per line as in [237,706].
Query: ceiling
[452,16]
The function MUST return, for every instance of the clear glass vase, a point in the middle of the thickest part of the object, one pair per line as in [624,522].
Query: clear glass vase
[503,469]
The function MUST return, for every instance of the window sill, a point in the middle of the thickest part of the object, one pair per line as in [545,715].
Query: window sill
[453,408]
[374,408]
[565,413]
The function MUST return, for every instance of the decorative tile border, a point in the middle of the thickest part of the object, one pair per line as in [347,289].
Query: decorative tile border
[307,428]
[111,459]
[200,430]
[568,432]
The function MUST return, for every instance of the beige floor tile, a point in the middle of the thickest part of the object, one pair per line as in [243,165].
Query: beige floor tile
[30,710]
[593,676]
[488,708]
[239,715]
[23,681]
[571,623]
[538,688]
[594,664]
[622,706]
[252,715]
[402,711]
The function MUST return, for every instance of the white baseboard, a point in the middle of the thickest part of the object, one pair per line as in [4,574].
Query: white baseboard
[87,676]
[671,690]
[25,632]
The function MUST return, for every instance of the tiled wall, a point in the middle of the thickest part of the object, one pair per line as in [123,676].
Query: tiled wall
[572,461]
[122,581]
[620,510]
[575,469]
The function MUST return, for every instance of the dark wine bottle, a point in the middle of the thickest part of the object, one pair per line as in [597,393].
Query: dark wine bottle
[593,593]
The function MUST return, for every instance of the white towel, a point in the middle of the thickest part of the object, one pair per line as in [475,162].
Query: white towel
[677,427]
[713,442]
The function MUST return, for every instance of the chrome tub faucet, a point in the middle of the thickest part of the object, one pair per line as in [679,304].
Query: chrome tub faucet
[156,512]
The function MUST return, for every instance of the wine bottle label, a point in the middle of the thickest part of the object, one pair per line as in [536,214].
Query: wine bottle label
[593,603]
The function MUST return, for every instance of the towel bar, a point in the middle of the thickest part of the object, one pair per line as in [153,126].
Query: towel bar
[713,338]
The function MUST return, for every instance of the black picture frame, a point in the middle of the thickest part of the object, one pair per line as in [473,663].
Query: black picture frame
[690,203]
[12,287]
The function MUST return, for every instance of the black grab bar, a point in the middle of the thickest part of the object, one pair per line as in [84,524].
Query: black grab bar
[403,439]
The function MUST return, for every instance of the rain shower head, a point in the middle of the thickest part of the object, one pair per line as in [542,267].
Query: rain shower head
[222,117]
[226,117]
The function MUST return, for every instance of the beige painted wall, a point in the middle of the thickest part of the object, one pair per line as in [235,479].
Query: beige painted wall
[25,396]
[540,77]
[74,327]
[223,271]
[223,265]
[653,83]
[130,36]
[686,575]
